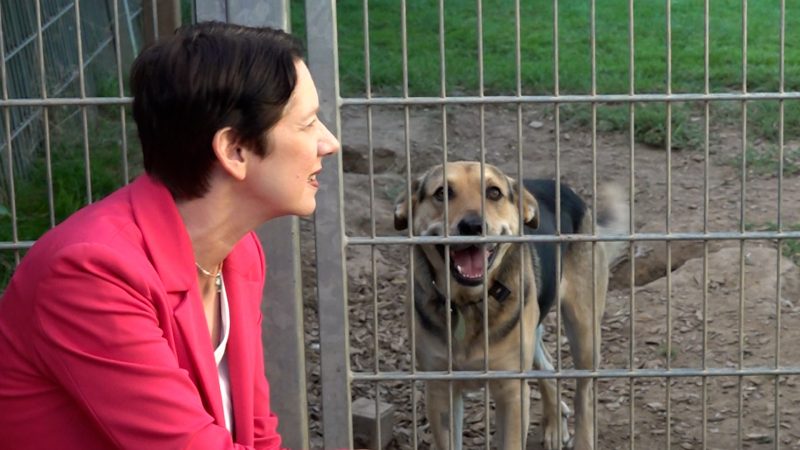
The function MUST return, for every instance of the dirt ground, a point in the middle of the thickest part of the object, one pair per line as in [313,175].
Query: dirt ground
[640,327]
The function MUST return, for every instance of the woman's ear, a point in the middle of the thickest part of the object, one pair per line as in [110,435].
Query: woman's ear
[229,152]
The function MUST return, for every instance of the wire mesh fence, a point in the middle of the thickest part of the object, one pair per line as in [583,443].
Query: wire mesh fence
[690,108]
[699,310]
[42,60]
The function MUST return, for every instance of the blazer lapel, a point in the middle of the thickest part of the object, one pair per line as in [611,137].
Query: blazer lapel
[191,321]
[170,250]
[240,353]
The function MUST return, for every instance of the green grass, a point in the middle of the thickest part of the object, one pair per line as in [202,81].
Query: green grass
[68,169]
[765,160]
[673,351]
[790,248]
[540,72]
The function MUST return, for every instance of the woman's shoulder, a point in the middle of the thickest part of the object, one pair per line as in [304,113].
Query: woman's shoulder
[108,222]
[247,258]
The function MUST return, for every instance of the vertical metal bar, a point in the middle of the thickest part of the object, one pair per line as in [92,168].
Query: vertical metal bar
[87,164]
[373,234]
[595,324]
[12,201]
[282,326]
[154,17]
[668,219]
[520,206]
[211,10]
[742,210]
[330,237]
[448,305]
[706,204]
[273,13]
[632,191]
[557,132]
[482,151]
[131,35]
[45,117]
[282,329]
[411,248]
[779,268]
[121,93]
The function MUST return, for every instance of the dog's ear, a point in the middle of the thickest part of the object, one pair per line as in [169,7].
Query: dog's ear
[401,212]
[530,207]
[403,204]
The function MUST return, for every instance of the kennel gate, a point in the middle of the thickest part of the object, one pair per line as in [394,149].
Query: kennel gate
[282,237]
[334,320]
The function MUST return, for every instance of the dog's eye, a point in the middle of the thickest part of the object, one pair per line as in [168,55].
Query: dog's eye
[494,193]
[439,194]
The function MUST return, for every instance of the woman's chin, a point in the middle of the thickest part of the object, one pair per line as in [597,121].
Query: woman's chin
[306,210]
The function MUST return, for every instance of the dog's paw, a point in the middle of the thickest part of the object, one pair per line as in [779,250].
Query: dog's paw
[565,411]
[550,440]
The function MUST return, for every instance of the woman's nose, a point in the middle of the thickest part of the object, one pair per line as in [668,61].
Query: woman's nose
[328,145]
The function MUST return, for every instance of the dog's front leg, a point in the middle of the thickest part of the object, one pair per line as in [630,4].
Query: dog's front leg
[584,342]
[437,403]
[513,401]
[553,423]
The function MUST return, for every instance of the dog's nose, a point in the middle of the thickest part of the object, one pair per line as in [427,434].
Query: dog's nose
[470,225]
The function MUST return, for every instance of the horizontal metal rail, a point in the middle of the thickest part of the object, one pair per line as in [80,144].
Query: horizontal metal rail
[571,374]
[477,100]
[21,245]
[550,99]
[710,236]
[87,101]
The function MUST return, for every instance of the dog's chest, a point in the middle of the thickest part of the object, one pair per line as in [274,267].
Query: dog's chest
[435,357]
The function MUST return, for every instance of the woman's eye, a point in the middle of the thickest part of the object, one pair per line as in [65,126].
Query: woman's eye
[494,193]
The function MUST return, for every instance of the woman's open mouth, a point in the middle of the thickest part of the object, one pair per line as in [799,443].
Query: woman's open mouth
[312,179]
[467,261]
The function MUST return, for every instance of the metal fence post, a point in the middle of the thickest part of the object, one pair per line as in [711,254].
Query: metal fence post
[329,227]
[160,20]
[282,328]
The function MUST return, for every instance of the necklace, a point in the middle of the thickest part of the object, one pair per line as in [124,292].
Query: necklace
[217,275]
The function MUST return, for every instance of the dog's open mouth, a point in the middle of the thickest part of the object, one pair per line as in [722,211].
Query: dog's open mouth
[466,262]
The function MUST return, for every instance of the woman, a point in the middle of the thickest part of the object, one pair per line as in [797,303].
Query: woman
[136,322]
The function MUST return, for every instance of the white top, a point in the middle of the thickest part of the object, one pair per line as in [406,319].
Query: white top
[222,359]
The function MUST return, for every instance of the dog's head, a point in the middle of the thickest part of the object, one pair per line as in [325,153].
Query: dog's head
[463,195]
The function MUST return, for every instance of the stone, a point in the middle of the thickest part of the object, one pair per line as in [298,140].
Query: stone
[364,423]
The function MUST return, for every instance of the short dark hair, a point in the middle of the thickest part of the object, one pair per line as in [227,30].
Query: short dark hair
[206,77]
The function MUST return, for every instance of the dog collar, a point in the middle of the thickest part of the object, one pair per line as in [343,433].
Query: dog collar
[499,291]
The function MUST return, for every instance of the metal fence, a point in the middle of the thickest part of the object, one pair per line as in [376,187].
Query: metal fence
[56,49]
[343,367]
[335,377]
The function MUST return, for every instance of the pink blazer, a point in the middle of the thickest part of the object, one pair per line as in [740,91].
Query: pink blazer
[104,344]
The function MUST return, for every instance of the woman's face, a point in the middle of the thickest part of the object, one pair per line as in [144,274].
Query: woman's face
[286,179]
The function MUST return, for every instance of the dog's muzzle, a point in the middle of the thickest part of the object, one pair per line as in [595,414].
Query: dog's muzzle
[469,262]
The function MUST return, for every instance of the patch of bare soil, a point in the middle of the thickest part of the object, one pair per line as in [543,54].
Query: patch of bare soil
[689,300]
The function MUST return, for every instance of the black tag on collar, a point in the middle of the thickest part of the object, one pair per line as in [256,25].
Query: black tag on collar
[499,291]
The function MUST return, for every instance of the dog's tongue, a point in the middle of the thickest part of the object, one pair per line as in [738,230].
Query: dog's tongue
[468,262]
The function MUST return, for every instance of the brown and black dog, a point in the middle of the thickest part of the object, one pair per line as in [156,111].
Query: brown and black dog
[521,282]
